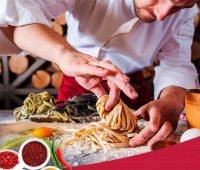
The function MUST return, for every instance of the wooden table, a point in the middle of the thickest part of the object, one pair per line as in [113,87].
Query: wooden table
[72,154]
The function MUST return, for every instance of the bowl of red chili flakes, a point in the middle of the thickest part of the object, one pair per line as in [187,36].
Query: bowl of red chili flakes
[34,154]
[9,159]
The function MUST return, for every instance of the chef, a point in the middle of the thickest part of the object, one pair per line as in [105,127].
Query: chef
[111,40]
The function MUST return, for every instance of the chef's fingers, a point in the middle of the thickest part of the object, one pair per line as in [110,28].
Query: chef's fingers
[172,137]
[155,117]
[141,137]
[141,111]
[113,96]
[163,133]
[124,86]
[115,71]
[99,91]
[91,70]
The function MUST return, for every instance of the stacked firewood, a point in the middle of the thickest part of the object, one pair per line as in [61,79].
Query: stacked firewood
[43,77]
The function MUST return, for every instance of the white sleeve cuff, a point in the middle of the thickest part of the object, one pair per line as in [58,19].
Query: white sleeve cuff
[177,77]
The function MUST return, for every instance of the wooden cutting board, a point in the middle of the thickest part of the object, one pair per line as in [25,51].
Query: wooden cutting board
[73,154]
[21,126]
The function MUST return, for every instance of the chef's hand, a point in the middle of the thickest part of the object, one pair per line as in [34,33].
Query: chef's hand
[89,71]
[163,115]
[92,83]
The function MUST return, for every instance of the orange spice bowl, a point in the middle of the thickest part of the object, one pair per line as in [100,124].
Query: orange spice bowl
[192,108]
[34,154]
[50,168]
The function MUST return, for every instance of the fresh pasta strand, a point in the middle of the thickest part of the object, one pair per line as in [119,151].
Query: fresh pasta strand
[113,131]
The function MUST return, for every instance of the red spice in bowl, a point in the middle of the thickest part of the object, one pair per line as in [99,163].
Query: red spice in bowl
[8,159]
[34,154]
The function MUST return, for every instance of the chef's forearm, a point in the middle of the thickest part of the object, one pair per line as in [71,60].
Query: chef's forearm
[42,41]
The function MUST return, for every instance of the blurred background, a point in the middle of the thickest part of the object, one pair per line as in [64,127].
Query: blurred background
[24,73]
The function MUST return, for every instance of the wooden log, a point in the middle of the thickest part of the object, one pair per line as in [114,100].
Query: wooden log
[18,64]
[55,66]
[41,79]
[56,27]
[56,79]
[61,19]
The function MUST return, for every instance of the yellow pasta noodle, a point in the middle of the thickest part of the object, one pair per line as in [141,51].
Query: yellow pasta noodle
[112,131]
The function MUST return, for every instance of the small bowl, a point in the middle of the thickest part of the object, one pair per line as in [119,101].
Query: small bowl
[34,167]
[192,107]
[53,167]
[17,166]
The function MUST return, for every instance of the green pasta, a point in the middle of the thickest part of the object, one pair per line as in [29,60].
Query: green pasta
[41,108]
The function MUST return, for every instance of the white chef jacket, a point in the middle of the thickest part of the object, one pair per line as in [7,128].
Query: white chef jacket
[109,29]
